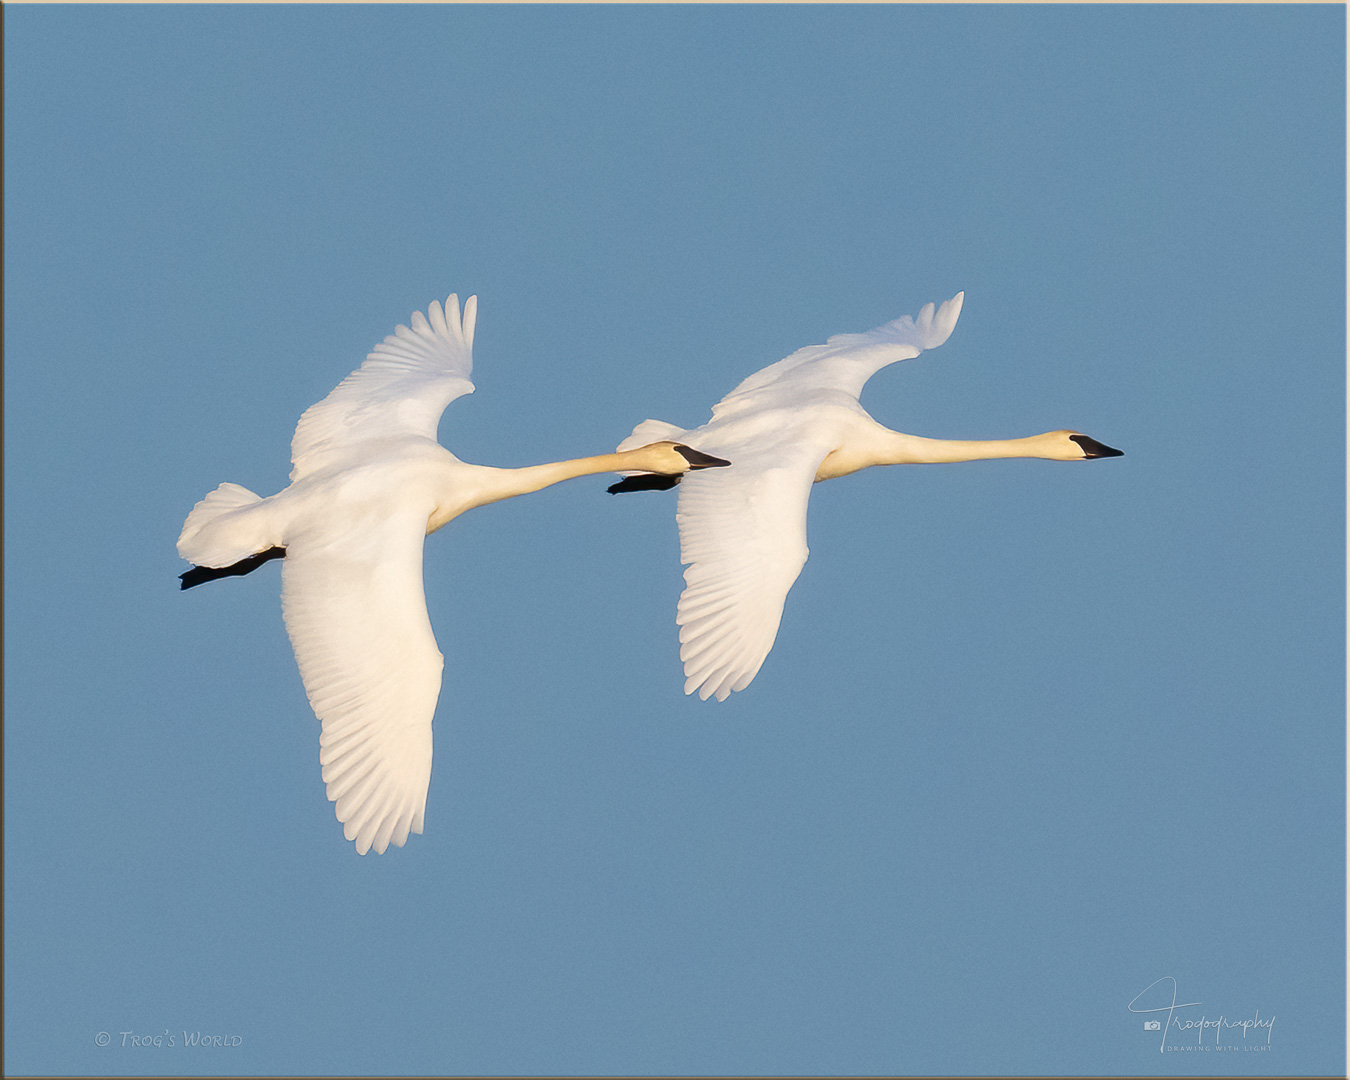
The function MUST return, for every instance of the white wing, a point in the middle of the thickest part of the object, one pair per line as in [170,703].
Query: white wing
[402,388]
[357,618]
[846,361]
[743,534]
[743,528]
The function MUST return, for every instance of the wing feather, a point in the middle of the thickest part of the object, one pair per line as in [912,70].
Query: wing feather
[743,536]
[356,615]
[846,361]
[402,388]
[743,528]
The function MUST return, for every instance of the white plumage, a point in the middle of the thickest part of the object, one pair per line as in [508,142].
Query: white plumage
[789,425]
[369,483]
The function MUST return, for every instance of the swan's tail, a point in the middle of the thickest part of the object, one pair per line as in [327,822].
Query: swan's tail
[225,528]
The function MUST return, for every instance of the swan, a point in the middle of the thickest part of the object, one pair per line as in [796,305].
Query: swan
[793,424]
[369,483]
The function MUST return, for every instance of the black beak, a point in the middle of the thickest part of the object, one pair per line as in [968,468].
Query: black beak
[656,482]
[1093,449]
[699,460]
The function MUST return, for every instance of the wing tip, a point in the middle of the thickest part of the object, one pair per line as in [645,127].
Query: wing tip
[470,319]
[949,312]
[459,325]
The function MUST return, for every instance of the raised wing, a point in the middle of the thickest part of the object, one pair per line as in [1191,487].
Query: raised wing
[402,388]
[743,534]
[846,361]
[357,619]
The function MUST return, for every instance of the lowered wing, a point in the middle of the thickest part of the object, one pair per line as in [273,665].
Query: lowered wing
[743,536]
[355,611]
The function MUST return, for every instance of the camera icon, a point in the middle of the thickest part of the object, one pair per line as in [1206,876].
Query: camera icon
[1152,1025]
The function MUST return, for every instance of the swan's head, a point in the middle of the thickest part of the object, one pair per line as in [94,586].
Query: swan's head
[1075,446]
[672,459]
[658,466]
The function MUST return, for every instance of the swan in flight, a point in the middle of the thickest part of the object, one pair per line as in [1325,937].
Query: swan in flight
[788,426]
[369,482]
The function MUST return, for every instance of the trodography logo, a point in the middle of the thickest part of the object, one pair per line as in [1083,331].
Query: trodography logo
[1173,1018]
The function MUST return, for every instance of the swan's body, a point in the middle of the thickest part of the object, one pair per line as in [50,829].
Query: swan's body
[369,483]
[792,424]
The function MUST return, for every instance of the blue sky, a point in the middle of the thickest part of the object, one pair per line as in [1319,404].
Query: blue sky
[1032,737]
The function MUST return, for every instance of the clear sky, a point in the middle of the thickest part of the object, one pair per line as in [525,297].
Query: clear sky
[1033,736]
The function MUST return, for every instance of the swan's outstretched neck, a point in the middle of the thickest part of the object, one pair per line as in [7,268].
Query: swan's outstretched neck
[1052,446]
[880,446]
[661,458]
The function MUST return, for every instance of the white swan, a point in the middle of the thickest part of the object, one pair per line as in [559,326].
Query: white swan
[370,482]
[792,424]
